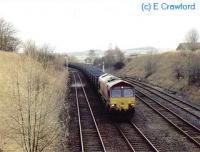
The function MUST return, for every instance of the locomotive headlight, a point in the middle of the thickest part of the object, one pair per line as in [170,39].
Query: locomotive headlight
[131,105]
[113,105]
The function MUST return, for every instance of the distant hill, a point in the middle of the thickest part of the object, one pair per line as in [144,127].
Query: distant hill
[81,55]
[141,50]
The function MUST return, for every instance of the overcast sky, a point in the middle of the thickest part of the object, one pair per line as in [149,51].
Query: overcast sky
[78,25]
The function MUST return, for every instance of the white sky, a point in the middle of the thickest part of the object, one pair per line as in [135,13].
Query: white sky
[78,25]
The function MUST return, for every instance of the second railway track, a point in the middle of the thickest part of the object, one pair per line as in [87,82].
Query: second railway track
[134,137]
[184,127]
[90,137]
[185,106]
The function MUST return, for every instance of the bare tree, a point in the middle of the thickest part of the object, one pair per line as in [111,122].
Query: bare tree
[36,99]
[42,54]
[119,55]
[92,56]
[109,59]
[193,68]
[192,40]
[150,65]
[113,57]
[8,39]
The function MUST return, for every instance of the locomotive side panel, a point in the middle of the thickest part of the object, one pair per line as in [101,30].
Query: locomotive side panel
[104,91]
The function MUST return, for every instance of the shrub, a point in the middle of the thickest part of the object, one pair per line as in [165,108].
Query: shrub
[119,65]
[179,72]
[193,68]
[44,55]
[150,66]
[188,67]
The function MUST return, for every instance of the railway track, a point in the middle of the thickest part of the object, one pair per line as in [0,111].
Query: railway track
[179,103]
[181,125]
[134,137]
[90,137]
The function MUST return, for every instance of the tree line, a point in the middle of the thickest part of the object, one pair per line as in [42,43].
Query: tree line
[112,59]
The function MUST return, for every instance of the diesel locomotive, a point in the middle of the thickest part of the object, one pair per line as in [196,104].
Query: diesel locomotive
[117,95]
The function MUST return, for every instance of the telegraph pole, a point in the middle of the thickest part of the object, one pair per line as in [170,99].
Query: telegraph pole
[103,68]
[66,61]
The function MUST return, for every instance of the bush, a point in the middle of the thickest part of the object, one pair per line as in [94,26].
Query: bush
[150,66]
[194,68]
[119,65]
[188,67]
[44,55]
[179,72]
[112,57]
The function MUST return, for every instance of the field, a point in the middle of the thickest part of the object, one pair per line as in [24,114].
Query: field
[163,68]
[30,101]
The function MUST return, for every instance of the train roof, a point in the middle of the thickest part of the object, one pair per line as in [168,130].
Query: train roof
[87,69]
[118,83]
[111,80]
[108,77]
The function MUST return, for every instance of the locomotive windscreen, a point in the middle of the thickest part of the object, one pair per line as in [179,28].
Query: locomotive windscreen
[122,92]
[116,92]
[128,92]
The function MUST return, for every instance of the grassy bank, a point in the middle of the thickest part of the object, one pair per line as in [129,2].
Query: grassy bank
[31,97]
[161,70]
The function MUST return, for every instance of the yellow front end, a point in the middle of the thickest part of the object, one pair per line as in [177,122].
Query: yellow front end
[122,103]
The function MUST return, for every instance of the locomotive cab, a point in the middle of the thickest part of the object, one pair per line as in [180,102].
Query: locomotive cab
[122,97]
[117,94]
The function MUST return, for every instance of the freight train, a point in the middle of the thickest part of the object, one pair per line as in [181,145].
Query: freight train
[117,95]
